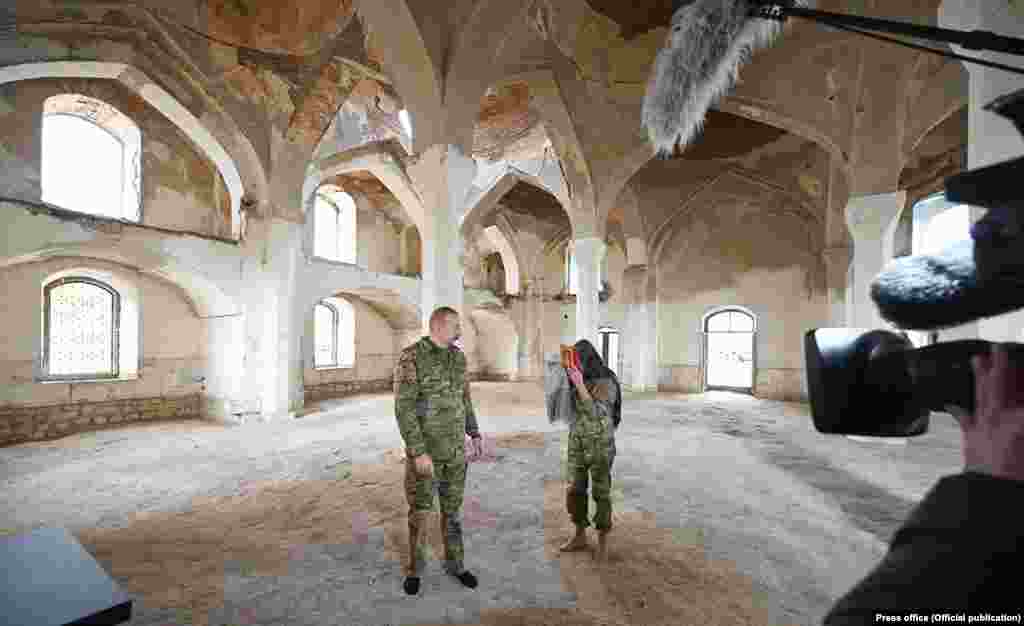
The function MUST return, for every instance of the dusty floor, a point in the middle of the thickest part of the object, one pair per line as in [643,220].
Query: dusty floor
[728,510]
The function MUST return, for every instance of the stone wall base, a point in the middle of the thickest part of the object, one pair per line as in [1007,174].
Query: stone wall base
[788,385]
[495,378]
[20,424]
[327,391]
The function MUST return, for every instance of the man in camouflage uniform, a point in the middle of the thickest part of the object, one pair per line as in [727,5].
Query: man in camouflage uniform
[435,413]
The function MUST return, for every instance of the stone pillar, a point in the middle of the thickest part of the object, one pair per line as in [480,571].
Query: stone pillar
[444,176]
[872,221]
[589,253]
[225,364]
[272,383]
[531,336]
[526,323]
[990,138]
[366,229]
[640,335]
[837,267]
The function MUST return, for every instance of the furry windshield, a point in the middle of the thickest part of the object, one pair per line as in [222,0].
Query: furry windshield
[707,43]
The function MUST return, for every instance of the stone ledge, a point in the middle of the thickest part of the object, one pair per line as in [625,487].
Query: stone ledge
[326,391]
[38,423]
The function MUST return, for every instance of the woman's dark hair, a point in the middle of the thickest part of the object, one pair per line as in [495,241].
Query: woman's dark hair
[593,368]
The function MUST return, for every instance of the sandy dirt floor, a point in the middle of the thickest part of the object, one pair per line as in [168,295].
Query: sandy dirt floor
[727,510]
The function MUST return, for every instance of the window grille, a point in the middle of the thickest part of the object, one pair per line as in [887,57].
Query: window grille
[81,325]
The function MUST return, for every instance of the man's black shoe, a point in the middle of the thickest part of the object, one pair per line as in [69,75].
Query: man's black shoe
[412,585]
[467,579]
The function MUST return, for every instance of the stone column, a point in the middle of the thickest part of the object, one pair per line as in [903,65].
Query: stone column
[990,138]
[526,324]
[272,383]
[837,266]
[589,253]
[872,221]
[640,335]
[443,176]
[366,229]
[225,364]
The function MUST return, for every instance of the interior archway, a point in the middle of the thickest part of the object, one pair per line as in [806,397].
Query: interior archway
[202,137]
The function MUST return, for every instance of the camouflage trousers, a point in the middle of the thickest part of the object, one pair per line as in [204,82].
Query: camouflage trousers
[591,454]
[450,480]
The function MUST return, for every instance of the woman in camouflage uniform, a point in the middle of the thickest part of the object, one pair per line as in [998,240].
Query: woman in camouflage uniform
[598,409]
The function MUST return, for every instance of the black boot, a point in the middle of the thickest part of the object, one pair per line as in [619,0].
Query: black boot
[412,585]
[467,579]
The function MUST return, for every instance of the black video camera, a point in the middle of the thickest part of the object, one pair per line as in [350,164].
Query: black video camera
[874,382]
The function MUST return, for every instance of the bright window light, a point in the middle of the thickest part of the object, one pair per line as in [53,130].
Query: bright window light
[948,227]
[91,157]
[610,348]
[403,117]
[326,336]
[83,166]
[571,272]
[938,224]
[335,225]
[81,328]
[334,334]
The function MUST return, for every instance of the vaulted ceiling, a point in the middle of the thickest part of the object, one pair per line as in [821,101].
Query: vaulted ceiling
[515,79]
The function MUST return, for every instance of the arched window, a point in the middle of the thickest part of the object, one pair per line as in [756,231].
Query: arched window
[609,347]
[570,269]
[729,350]
[91,158]
[81,326]
[335,225]
[334,334]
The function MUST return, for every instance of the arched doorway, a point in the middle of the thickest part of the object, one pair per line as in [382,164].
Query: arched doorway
[609,338]
[729,350]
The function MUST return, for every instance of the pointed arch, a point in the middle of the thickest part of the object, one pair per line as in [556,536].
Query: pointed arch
[482,201]
[379,159]
[201,136]
[509,255]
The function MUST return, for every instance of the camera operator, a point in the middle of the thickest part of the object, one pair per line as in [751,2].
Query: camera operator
[962,544]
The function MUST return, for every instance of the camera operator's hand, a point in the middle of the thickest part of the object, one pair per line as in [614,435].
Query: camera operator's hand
[994,435]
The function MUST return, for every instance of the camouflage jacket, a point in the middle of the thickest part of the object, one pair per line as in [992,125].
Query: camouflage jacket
[590,414]
[432,401]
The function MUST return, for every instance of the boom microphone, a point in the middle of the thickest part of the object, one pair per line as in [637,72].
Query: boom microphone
[708,42]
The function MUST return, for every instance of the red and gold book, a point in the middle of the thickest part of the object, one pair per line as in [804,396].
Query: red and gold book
[569,356]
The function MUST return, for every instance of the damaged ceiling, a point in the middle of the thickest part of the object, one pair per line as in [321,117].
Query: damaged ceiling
[299,29]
